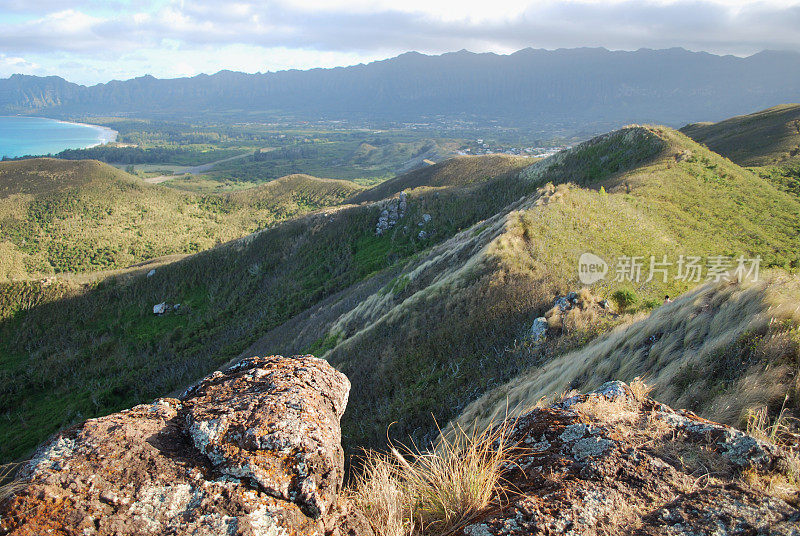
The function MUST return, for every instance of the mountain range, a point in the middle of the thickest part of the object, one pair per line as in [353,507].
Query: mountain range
[586,89]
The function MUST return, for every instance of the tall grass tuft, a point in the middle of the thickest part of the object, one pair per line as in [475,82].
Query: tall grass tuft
[435,492]
[639,388]
[761,426]
[9,484]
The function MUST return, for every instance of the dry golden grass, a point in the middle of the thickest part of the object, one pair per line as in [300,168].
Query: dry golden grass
[640,389]
[378,492]
[761,426]
[720,350]
[9,484]
[435,492]
[701,462]
[775,483]
[784,481]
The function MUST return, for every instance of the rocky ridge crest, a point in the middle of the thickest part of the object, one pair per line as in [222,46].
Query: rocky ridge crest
[252,451]
[256,451]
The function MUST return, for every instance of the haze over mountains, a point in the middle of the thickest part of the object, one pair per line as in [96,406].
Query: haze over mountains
[565,89]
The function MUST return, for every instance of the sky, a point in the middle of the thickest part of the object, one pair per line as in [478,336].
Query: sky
[91,41]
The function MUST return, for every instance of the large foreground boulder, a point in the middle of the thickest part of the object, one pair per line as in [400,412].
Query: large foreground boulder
[254,450]
[616,462]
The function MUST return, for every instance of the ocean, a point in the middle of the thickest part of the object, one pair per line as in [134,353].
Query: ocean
[22,136]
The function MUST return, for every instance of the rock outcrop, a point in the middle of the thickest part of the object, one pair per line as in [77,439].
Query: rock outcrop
[392,210]
[255,450]
[613,463]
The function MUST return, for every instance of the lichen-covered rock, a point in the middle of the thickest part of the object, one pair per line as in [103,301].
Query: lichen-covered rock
[254,450]
[287,442]
[609,463]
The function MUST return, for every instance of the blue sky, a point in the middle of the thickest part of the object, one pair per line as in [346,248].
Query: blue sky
[90,41]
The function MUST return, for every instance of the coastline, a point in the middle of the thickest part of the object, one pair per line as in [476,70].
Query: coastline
[110,135]
[99,135]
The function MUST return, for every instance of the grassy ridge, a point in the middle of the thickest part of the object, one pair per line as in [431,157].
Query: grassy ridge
[768,137]
[722,350]
[458,171]
[451,323]
[76,352]
[420,325]
[60,216]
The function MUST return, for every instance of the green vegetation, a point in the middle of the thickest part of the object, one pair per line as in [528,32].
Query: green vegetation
[785,178]
[85,350]
[624,298]
[452,322]
[458,171]
[337,158]
[181,156]
[768,137]
[420,325]
[59,216]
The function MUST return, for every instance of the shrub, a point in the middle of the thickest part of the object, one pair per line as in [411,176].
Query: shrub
[651,303]
[624,298]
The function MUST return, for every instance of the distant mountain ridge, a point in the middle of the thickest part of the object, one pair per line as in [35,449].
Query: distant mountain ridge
[541,89]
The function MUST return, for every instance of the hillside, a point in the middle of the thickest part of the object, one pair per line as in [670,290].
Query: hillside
[553,91]
[458,171]
[768,137]
[423,318]
[76,216]
[454,322]
[75,351]
[722,349]
[293,194]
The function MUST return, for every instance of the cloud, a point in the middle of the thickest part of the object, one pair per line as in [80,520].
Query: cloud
[11,65]
[192,30]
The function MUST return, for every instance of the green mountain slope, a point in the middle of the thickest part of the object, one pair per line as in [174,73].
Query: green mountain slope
[458,171]
[768,137]
[424,318]
[452,323]
[75,216]
[68,352]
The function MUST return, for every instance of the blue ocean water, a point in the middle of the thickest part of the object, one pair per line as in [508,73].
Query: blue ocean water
[22,136]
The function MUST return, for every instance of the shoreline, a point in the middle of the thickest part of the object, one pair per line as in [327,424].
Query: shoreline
[103,134]
[103,130]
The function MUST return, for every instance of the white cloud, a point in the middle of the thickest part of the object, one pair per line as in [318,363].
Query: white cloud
[13,64]
[176,37]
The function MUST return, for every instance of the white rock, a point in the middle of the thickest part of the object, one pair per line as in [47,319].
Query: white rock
[160,309]
[538,330]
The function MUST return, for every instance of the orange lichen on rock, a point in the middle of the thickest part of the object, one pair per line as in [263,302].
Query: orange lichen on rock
[612,462]
[253,450]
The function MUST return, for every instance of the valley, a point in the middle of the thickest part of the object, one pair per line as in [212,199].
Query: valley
[430,318]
